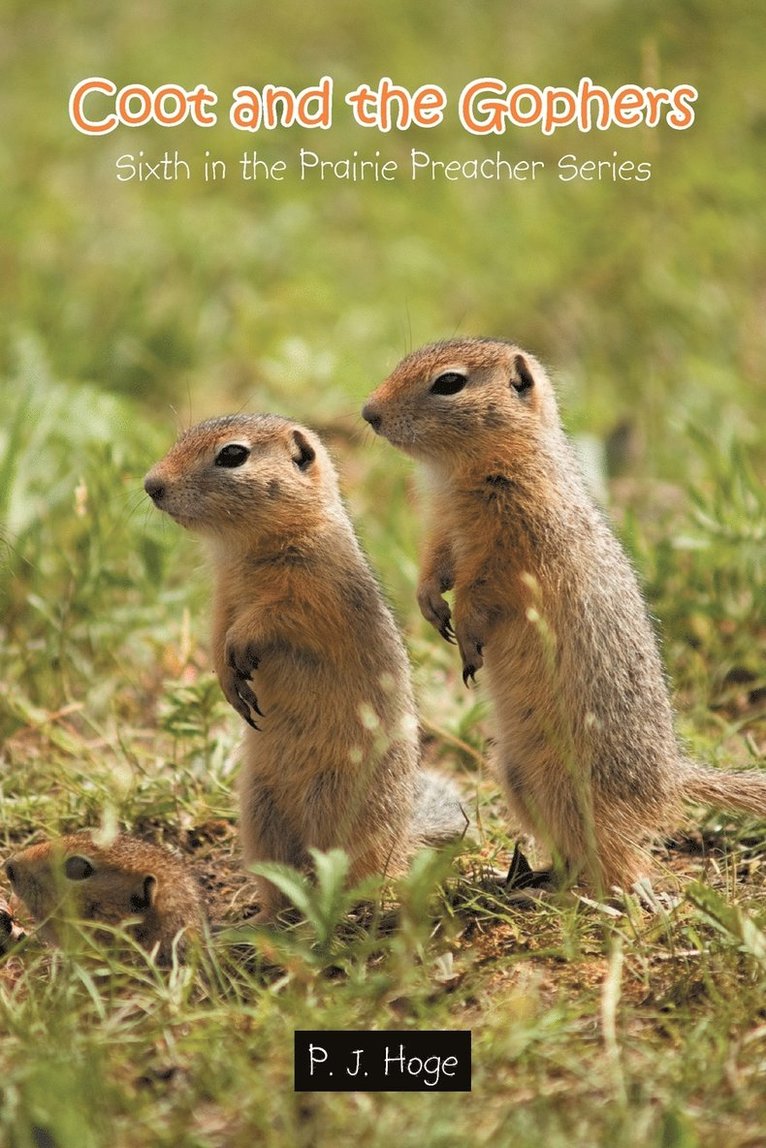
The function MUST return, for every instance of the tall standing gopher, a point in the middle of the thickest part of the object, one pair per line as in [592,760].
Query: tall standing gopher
[546,600]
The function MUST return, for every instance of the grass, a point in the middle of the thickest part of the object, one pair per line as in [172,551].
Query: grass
[129,311]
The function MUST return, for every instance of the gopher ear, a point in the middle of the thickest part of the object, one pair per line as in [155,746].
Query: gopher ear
[524,380]
[144,897]
[303,453]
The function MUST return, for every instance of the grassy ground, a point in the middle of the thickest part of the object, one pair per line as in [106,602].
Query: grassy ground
[128,310]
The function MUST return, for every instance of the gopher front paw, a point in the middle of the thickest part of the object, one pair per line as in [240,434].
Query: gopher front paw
[471,646]
[241,662]
[435,610]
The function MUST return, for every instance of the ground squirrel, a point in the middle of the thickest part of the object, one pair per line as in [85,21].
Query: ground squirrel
[126,878]
[546,599]
[306,652]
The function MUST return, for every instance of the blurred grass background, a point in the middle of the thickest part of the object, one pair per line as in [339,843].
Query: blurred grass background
[131,309]
[637,294]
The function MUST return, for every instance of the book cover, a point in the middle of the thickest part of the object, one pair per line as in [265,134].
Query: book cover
[213,209]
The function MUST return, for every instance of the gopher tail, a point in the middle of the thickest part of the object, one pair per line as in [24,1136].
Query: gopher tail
[437,815]
[744,789]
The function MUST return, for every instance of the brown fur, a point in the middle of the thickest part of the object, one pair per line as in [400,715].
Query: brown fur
[547,601]
[129,879]
[305,649]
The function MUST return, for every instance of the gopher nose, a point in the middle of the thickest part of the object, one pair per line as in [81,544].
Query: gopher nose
[10,872]
[155,488]
[370,415]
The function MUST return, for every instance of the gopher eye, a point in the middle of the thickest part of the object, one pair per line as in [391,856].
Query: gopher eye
[449,383]
[78,868]
[233,454]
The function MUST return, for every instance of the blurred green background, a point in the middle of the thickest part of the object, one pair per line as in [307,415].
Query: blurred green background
[644,297]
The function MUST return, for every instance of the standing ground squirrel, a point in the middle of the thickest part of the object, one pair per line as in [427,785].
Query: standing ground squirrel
[306,652]
[546,599]
[73,876]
